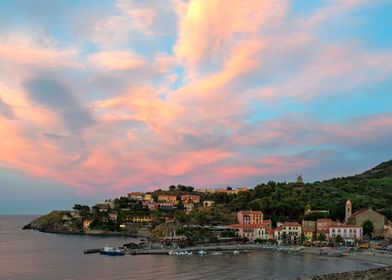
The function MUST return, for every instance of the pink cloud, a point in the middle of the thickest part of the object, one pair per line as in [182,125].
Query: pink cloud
[116,60]
[207,29]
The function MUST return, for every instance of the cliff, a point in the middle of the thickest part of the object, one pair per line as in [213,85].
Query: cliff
[55,222]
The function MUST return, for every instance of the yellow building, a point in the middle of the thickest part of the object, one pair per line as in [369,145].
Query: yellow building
[141,219]
[148,197]
[309,235]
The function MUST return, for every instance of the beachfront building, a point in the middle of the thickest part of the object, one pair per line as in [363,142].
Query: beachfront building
[252,232]
[322,226]
[252,226]
[378,220]
[250,217]
[289,232]
[349,233]
[388,231]
[309,229]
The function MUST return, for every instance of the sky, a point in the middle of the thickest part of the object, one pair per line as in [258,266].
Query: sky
[99,98]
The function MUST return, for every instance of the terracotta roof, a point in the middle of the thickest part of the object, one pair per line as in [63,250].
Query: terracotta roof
[135,193]
[251,212]
[361,211]
[278,229]
[237,226]
[291,224]
[324,220]
[344,226]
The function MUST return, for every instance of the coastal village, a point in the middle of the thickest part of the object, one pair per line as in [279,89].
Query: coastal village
[182,216]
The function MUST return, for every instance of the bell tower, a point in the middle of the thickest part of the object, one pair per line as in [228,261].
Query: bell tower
[349,210]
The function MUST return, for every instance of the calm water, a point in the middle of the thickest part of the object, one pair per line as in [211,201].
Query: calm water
[33,255]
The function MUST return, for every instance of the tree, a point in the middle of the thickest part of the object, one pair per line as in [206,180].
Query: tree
[284,237]
[338,239]
[368,228]
[322,237]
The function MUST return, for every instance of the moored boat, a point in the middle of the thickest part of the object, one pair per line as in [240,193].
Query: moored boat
[112,251]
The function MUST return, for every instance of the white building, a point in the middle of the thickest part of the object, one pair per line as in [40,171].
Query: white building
[350,233]
[290,231]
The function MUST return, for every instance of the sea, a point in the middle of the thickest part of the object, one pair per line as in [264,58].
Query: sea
[29,254]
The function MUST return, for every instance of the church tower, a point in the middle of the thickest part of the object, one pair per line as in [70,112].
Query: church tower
[349,210]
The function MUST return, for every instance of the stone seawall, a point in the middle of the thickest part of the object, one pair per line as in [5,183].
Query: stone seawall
[382,273]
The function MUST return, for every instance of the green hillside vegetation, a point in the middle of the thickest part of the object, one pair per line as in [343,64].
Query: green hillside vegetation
[287,201]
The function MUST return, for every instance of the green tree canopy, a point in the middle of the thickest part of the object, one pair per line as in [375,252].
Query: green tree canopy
[368,228]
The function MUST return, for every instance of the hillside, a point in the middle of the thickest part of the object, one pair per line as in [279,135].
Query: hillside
[287,201]
[381,172]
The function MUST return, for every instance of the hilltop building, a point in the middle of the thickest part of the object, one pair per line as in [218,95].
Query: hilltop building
[167,198]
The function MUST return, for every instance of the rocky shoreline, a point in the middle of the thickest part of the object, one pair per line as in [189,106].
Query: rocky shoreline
[380,273]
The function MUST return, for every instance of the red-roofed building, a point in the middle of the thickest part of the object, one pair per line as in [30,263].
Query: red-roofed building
[350,233]
[253,231]
[323,225]
[250,217]
[288,232]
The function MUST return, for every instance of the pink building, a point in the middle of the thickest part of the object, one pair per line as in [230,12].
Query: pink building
[254,231]
[323,225]
[250,217]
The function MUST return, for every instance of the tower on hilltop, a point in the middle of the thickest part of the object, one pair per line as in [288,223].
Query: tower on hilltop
[349,210]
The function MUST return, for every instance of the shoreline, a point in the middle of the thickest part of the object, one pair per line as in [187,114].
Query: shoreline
[364,256]
[92,233]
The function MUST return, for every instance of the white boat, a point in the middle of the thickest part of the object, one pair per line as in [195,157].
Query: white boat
[236,252]
[202,252]
[112,251]
[216,253]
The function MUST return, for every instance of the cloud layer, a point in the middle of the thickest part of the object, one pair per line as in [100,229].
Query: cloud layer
[151,93]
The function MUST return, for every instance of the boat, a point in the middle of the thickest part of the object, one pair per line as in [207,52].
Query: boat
[216,253]
[236,252]
[112,251]
[202,252]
